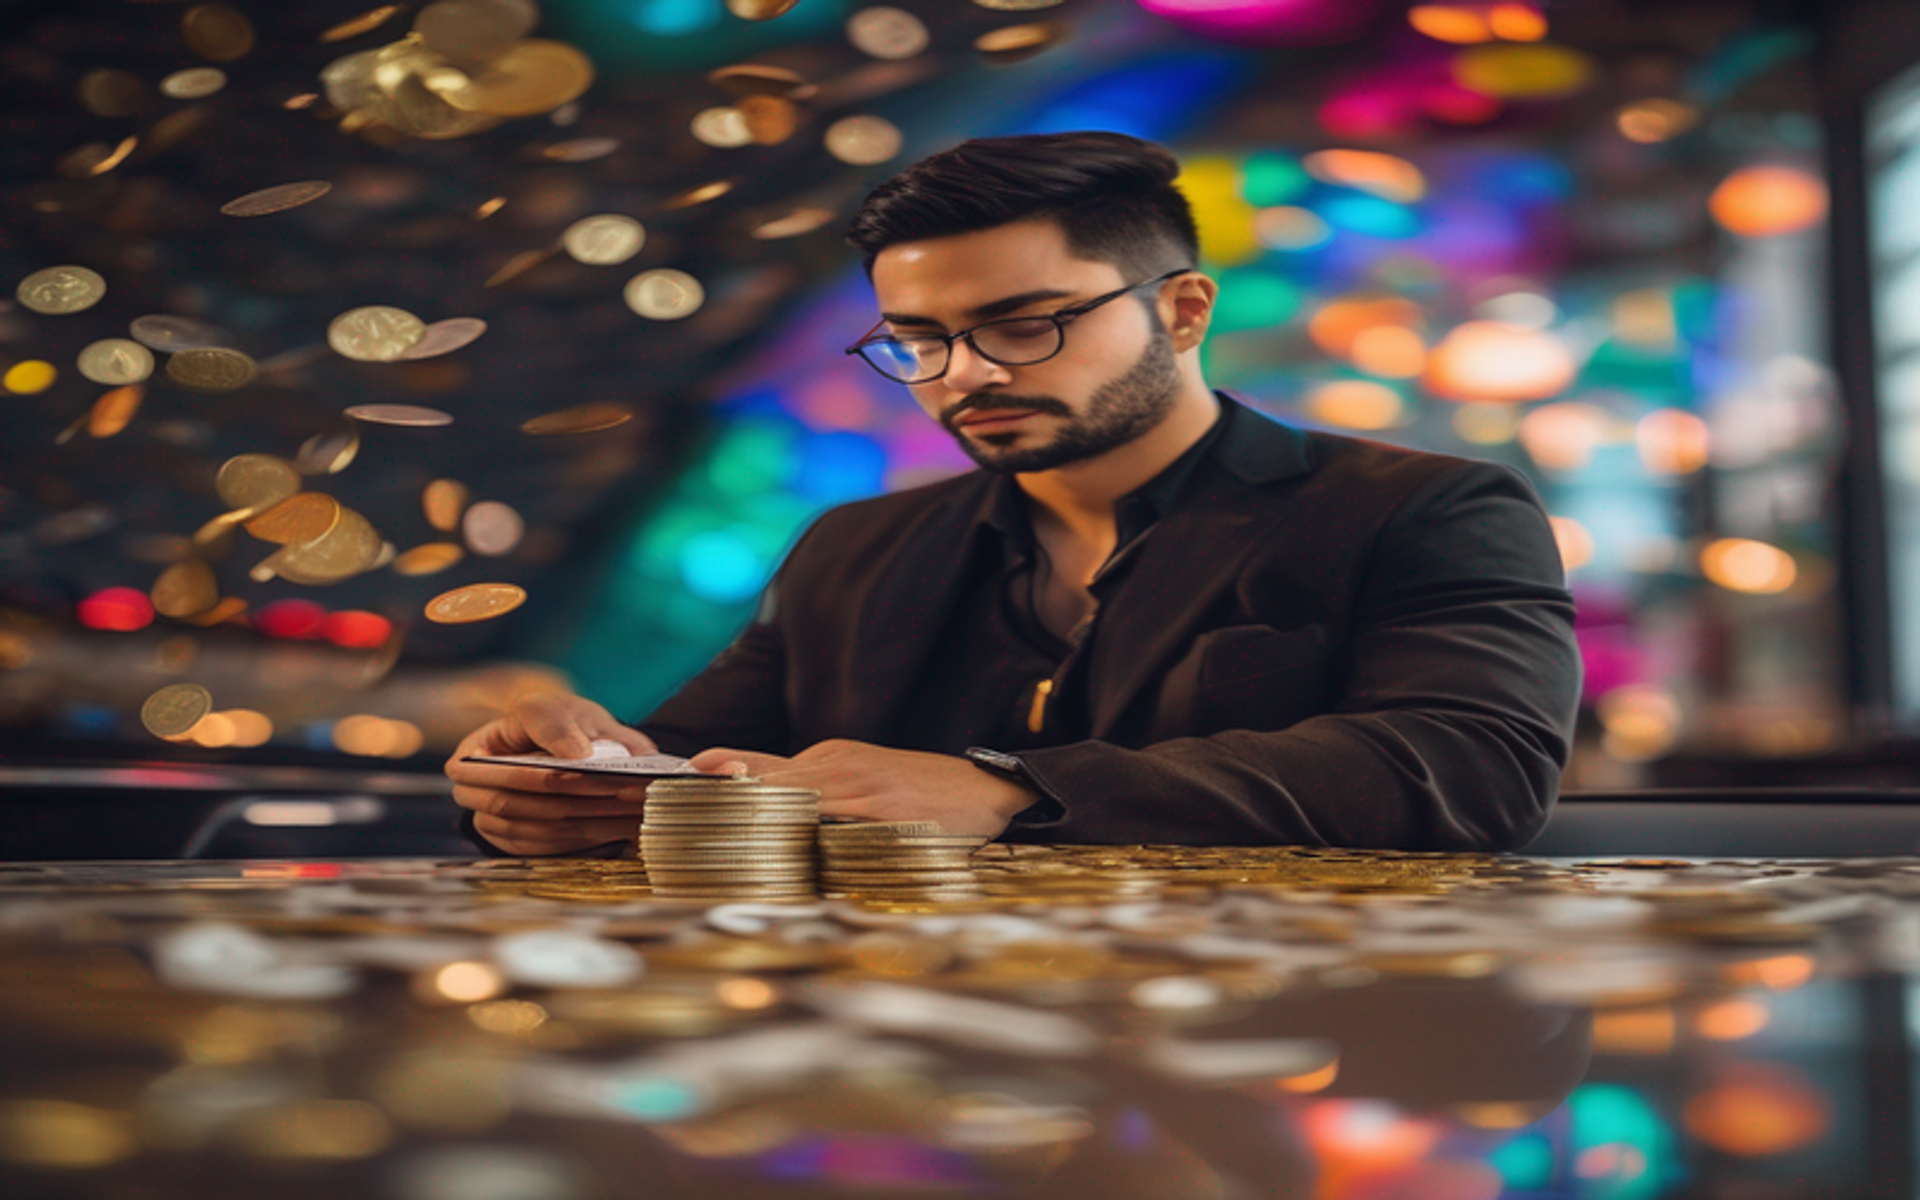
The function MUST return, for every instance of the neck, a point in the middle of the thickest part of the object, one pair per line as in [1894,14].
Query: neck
[1082,495]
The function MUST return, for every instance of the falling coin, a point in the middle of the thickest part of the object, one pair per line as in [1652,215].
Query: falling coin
[863,141]
[328,453]
[492,528]
[698,195]
[532,77]
[300,518]
[114,410]
[217,32]
[770,119]
[366,22]
[377,333]
[57,291]
[185,588]
[760,10]
[255,481]
[887,33]
[444,337]
[176,708]
[430,559]
[795,223]
[664,295]
[759,79]
[604,240]
[106,92]
[399,414]
[194,83]
[1018,5]
[519,265]
[584,418]
[723,127]
[478,31]
[442,501]
[211,370]
[475,602]
[584,149]
[170,334]
[350,547]
[275,199]
[30,377]
[1018,41]
[116,361]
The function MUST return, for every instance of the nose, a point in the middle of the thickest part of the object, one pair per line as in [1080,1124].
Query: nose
[969,371]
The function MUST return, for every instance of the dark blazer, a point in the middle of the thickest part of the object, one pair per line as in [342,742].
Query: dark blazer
[1328,641]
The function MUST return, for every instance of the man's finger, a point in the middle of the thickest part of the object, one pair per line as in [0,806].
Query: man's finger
[542,837]
[532,779]
[717,758]
[557,730]
[530,806]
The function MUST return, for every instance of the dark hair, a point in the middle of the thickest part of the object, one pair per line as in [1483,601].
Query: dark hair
[1112,195]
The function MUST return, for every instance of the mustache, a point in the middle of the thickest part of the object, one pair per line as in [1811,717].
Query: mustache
[975,403]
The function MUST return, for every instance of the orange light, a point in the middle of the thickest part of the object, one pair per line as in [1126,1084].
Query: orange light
[1757,1109]
[1312,1081]
[1448,23]
[1355,404]
[468,982]
[1651,122]
[1781,973]
[1672,442]
[1575,543]
[746,993]
[1744,565]
[1496,363]
[1517,22]
[1563,437]
[250,728]
[365,735]
[1731,1020]
[1538,72]
[1338,323]
[1383,175]
[1390,351]
[214,731]
[1633,1031]
[1769,201]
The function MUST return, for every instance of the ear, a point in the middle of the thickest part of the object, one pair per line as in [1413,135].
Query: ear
[1186,308]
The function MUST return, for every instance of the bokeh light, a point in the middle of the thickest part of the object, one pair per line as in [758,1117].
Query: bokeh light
[1769,201]
[1497,363]
[1755,1109]
[1355,404]
[1747,565]
[117,609]
[1538,72]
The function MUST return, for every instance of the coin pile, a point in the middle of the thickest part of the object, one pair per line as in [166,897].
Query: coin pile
[897,860]
[737,839]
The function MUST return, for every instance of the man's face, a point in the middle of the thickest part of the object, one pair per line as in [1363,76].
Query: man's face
[1116,376]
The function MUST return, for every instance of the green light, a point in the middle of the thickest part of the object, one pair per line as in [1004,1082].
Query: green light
[1270,179]
[753,457]
[1254,299]
[1525,1163]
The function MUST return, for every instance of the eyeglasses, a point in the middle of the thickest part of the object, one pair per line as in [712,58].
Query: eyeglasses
[1013,342]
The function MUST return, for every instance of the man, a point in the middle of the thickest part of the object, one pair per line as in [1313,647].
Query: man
[1151,616]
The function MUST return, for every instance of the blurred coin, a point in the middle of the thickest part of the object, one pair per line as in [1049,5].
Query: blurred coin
[531,77]
[225,610]
[585,418]
[328,453]
[444,337]
[604,240]
[194,83]
[56,291]
[29,378]
[216,535]
[475,602]
[793,224]
[770,119]
[863,140]
[1018,5]
[399,414]
[585,149]
[758,79]
[349,547]
[664,295]
[886,32]
[170,334]
[275,199]
[366,22]
[519,265]
[443,501]
[698,195]
[723,127]
[176,708]
[185,588]
[116,361]
[217,32]
[760,10]
[376,333]
[114,410]
[492,528]
[477,31]
[211,370]
[255,481]
[429,559]
[108,92]
[300,518]
[1018,41]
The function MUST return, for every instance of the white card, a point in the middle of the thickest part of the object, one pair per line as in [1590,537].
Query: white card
[608,758]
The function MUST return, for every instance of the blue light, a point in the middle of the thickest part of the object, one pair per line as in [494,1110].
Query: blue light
[671,18]
[1526,1162]
[1371,215]
[721,566]
[656,1099]
[840,466]
[1156,99]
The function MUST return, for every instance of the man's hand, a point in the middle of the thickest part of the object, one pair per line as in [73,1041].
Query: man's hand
[859,779]
[529,810]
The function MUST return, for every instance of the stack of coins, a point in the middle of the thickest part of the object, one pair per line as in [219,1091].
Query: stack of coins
[897,860]
[729,839]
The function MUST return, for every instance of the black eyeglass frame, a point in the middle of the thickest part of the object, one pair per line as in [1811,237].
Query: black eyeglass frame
[1061,318]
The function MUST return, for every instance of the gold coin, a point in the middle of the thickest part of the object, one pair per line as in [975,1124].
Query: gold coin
[519,265]
[863,140]
[887,32]
[532,77]
[211,370]
[429,559]
[116,361]
[255,481]
[57,291]
[664,295]
[348,548]
[444,337]
[106,92]
[1018,5]
[604,240]
[699,195]
[758,79]
[376,333]
[300,518]
[770,119]
[366,22]
[174,709]
[578,150]
[475,602]
[194,83]
[443,501]
[328,453]
[225,610]
[275,199]
[760,10]
[723,127]
[585,418]
[217,32]
[476,31]
[492,528]
[1018,41]
[114,410]
[170,334]
[185,588]
[793,224]
[399,414]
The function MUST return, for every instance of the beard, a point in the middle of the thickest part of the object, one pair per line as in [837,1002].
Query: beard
[1121,410]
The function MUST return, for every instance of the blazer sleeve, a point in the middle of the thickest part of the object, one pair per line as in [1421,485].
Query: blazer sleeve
[1451,726]
[738,700]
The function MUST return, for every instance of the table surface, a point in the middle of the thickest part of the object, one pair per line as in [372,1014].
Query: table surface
[1099,1022]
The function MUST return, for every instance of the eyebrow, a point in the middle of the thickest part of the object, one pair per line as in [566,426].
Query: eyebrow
[984,312]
